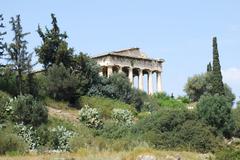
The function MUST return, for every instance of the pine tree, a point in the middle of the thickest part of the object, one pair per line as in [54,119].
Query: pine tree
[17,52]
[2,44]
[209,67]
[54,49]
[217,83]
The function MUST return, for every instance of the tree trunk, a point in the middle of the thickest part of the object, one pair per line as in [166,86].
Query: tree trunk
[20,81]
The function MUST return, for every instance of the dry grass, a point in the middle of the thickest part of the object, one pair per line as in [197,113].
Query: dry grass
[88,154]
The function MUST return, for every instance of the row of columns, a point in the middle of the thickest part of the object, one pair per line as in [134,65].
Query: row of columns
[140,78]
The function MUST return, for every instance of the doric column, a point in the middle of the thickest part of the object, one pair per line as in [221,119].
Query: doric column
[150,86]
[159,82]
[101,72]
[140,79]
[130,74]
[109,71]
[120,69]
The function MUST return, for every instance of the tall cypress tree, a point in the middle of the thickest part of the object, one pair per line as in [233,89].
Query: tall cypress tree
[217,83]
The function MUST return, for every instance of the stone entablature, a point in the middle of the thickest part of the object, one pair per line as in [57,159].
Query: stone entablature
[133,63]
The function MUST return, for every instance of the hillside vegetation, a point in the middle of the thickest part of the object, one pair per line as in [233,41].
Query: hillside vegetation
[68,111]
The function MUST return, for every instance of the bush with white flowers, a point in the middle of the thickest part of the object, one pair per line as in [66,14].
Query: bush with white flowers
[60,137]
[90,117]
[29,135]
[122,116]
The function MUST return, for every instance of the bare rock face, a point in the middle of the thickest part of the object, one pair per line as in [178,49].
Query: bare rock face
[146,157]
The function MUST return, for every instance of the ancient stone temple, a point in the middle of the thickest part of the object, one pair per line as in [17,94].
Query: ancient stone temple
[133,63]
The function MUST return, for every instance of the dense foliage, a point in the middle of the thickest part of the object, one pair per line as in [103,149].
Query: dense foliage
[112,114]
[4,111]
[90,117]
[54,49]
[175,128]
[83,65]
[122,117]
[62,84]
[236,118]
[29,135]
[165,100]
[26,110]
[216,112]
[216,79]
[197,86]
[200,85]
[60,137]
[117,86]
[11,142]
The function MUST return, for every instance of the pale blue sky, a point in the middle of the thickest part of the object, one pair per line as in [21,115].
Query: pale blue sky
[178,31]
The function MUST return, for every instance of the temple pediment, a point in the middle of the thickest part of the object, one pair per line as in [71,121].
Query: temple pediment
[132,52]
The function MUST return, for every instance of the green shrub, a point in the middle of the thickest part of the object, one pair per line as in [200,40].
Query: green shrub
[184,99]
[29,134]
[117,86]
[11,142]
[90,117]
[197,86]
[114,131]
[82,139]
[62,84]
[4,95]
[122,116]
[194,135]
[165,120]
[60,137]
[40,88]
[236,118]
[8,81]
[228,154]
[4,111]
[200,85]
[143,115]
[43,135]
[105,105]
[27,110]
[150,104]
[164,100]
[176,129]
[216,112]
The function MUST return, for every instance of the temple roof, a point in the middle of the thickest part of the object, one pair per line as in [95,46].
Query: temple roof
[131,53]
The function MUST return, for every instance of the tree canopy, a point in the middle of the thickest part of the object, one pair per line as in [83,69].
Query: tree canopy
[54,49]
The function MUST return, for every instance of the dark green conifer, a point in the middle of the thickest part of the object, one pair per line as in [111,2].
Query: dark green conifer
[54,49]
[209,67]
[217,83]
[2,44]
[18,55]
